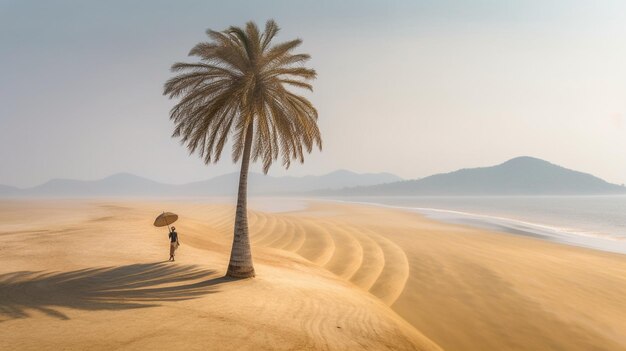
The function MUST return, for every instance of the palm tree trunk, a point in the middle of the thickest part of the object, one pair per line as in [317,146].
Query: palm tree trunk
[240,265]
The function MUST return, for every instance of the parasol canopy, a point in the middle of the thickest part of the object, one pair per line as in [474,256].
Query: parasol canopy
[165,219]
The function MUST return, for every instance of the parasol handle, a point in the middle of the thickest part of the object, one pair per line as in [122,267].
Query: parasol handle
[168,225]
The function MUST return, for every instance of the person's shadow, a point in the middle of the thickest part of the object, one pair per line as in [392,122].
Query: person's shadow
[110,288]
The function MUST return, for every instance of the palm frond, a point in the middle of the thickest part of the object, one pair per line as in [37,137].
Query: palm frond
[240,84]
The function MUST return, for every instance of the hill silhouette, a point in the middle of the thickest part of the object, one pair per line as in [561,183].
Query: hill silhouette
[125,184]
[6,190]
[519,176]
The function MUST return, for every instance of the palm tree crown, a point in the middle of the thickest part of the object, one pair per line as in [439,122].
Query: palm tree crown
[241,81]
[239,87]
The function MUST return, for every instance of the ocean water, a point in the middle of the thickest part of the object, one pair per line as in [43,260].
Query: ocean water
[597,222]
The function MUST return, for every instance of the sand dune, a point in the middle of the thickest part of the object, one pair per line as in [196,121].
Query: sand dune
[356,254]
[330,277]
[100,283]
[464,288]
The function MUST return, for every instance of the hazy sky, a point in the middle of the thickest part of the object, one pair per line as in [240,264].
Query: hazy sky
[408,87]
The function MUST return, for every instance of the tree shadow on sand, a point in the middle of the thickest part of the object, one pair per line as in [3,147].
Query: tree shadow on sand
[110,288]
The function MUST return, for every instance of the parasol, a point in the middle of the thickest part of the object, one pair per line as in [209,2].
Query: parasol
[165,219]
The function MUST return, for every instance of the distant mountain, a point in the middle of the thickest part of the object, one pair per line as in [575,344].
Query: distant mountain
[519,176]
[6,190]
[116,185]
[124,184]
[260,184]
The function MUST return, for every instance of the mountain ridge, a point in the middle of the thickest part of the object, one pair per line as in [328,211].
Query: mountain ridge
[127,184]
[522,175]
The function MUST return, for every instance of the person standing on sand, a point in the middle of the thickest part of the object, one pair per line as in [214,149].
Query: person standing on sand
[173,243]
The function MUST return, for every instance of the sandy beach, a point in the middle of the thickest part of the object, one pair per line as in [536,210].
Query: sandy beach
[93,274]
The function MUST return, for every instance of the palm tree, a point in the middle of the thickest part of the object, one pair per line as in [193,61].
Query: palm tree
[239,88]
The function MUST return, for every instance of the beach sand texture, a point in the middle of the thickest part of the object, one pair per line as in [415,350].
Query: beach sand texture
[93,274]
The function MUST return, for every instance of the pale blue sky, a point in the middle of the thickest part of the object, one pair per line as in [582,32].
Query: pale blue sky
[409,87]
